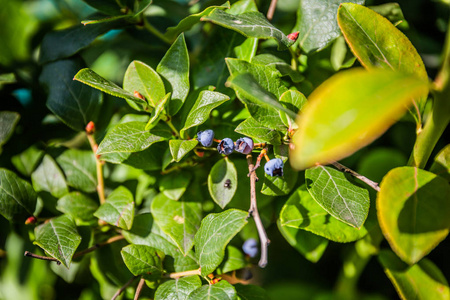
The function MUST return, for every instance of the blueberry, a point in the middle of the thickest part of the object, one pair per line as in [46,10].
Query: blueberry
[244,145]
[206,137]
[250,247]
[226,146]
[274,167]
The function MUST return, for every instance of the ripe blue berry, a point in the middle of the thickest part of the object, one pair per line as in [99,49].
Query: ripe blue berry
[206,137]
[226,146]
[250,247]
[274,167]
[244,145]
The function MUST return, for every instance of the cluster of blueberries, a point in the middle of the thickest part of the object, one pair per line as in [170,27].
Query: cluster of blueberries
[273,167]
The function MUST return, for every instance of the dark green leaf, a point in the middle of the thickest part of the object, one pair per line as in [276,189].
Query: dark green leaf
[132,137]
[118,210]
[342,199]
[294,101]
[276,63]
[316,22]
[27,161]
[80,169]
[74,103]
[8,122]
[59,238]
[17,197]
[421,281]
[178,289]
[143,260]
[48,177]
[418,219]
[301,211]
[174,184]
[174,68]
[215,232]
[250,24]
[179,148]
[79,206]
[250,292]
[259,132]
[234,260]
[221,290]
[178,219]
[223,172]
[278,186]
[106,6]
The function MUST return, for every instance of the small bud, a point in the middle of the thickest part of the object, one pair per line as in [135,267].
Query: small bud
[30,220]
[90,128]
[293,36]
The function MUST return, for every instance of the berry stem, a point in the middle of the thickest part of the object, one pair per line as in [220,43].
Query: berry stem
[364,179]
[100,182]
[139,288]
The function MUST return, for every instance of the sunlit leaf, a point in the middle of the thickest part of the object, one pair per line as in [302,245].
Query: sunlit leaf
[178,289]
[118,210]
[179,148]
[221,290]
[143,260]
[223,182]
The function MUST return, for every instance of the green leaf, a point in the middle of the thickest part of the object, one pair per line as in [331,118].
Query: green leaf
[97,19]
[348,111]
[250,24]
[157,113]
[215,232]
[316,22]
[118,210]
[179,148]
[421,281]
[247,50]
[143,79]
[178,289]
[234,260]
[59,238]
[222,172]
[205,103]
[132,137]
[441,164]
[143,260]
[342,199]
[250,292]
[279,186]
[89,77]
[17,197]
[178,219]
[67,42]
[221,290]
[72,102]
[79,206]
[174,184]
[311,246]
[187,23]
[418,219]
[48,177]
[8,122]
[146,232]
[277,64]
[377,43]
[174,68]
[27,161]
[80,169]
[301,211]
[294,101]
[250,127]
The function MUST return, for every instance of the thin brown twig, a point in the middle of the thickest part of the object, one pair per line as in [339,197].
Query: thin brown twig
[139,288]
[120,291]
[96,246]
[253,211]
[29,254]
[271,11]
[364,179]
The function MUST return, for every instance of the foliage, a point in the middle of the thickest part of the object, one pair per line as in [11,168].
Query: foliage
[103,173]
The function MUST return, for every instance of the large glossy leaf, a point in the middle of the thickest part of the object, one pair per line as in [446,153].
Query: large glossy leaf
[178,219]
[215,232]
[132,137]
[27,161]
[377,43]
[413,209]
[178,289]
[250,24]
[89,77]
[252,128]
[79,206]
[118,210]
[146,232]
[17,197]
[421,281]
[8,122]
[348,111]
[301,211]
[342,199]
[174,68]
[143,79]
[221,173]
[74,103]
[179,148]
[80,169]
[143,260]
[174,184]
[48,177]
[59,238]
[205,103]
[316,22]
[221,290]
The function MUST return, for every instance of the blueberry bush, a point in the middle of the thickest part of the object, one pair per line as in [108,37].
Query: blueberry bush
[248,149]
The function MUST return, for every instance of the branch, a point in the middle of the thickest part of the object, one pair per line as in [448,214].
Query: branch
[253,211]
[364,179]
[139,288]
[117,294]
[90,129]
[271,11]
[29,254]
